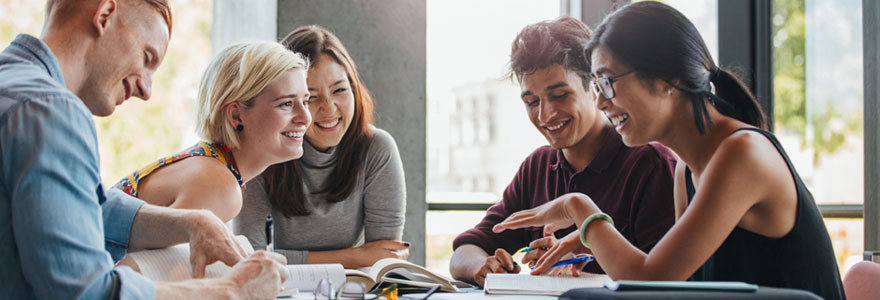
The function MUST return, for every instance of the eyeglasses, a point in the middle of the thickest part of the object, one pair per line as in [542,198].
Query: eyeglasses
[348,289]
[605,85]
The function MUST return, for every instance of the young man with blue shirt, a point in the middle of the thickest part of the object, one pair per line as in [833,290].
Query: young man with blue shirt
[60,232]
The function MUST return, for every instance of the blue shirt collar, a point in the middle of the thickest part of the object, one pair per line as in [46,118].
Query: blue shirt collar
[32,49]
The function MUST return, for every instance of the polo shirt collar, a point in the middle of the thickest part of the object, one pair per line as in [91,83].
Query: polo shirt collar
[611,146]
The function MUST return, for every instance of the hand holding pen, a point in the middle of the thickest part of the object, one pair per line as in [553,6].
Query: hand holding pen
[568,245]
[499,262]
[539,247]
[584,258]
[270,233]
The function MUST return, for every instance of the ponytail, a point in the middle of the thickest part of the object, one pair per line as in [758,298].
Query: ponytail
[732,98]
[661,43]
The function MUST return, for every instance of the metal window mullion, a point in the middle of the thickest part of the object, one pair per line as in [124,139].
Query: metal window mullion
[871,56]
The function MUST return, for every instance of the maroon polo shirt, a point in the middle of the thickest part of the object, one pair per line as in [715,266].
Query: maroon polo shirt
[631,184]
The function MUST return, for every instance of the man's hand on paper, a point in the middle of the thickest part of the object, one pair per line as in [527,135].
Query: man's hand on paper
[260,276]
[211,241]
[501,262]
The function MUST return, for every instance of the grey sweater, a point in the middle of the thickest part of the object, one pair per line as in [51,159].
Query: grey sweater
[374,210]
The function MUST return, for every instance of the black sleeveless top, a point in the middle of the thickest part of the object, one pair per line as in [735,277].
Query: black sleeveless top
[802,259]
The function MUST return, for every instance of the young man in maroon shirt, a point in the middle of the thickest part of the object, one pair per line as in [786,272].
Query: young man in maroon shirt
[633,185]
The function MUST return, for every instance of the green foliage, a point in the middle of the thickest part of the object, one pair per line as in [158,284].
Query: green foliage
[789,54]
[139,132]
[828,127]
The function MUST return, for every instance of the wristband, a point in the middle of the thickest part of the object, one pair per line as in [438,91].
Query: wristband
[591,218]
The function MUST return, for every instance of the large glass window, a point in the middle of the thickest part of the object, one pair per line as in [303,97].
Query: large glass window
[818,101]
[139,132]
[478,131]
[704,15]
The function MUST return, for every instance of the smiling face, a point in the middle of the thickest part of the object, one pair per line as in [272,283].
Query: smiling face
[331,102]
[560,106]
[635,112]
[277,120]
[125,58]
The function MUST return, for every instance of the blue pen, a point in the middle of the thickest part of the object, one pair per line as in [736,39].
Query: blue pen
[576,260]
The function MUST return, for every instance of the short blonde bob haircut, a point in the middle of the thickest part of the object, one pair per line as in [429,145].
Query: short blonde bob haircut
[237,75]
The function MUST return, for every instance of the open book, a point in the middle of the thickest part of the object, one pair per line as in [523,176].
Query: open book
[525,284]
[172,264]
[404,273]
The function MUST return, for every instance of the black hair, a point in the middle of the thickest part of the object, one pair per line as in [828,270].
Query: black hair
[659,42]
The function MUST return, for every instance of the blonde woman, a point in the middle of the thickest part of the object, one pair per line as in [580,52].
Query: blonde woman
[345,200]
[252,113]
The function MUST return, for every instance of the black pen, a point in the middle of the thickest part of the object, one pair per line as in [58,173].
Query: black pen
[431,291]
[269,233]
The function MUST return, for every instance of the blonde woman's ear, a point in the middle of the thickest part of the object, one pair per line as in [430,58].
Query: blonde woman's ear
[233,114]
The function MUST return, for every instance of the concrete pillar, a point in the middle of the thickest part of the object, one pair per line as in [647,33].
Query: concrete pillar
[237,21]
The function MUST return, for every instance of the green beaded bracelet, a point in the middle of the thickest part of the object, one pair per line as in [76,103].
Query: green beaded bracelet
[598,215]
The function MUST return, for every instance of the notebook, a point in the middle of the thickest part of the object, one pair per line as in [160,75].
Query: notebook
[172,264]
[525,284]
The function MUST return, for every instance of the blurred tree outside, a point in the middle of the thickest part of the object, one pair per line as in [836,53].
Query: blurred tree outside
[789,92]
[140,132]
[823,129]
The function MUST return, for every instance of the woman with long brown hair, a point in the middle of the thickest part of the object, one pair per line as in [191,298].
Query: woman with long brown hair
[344,201]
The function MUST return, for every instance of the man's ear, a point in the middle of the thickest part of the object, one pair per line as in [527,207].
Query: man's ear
[104,13]
[233,114]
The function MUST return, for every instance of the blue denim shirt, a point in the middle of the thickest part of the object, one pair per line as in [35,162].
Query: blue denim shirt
[59,232]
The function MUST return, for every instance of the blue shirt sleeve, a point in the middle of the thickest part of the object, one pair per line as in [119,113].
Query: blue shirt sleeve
[50,168]
[118,210]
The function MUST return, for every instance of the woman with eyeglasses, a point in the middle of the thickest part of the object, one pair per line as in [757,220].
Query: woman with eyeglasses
[743,213]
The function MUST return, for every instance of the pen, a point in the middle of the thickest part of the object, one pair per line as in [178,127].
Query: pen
[431,292]
[269,233]
[576,260]
[530,249]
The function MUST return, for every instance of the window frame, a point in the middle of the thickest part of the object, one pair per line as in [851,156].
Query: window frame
[748,46]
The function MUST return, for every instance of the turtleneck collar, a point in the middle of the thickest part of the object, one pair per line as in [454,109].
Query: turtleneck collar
[316,159]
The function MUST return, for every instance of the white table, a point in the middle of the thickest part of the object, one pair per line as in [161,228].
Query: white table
[473,296]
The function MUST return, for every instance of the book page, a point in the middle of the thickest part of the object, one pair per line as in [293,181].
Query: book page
[540,285]
[306,277]
[402,268]
[172,263]
[413,274]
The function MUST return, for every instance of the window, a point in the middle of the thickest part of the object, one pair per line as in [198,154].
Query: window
[818,105]
[704,15]
[140,132]
[478,130]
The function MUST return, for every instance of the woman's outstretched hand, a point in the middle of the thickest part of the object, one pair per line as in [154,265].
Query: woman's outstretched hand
[557,213]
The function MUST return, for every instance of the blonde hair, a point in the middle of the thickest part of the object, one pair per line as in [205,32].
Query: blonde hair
[237,75]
